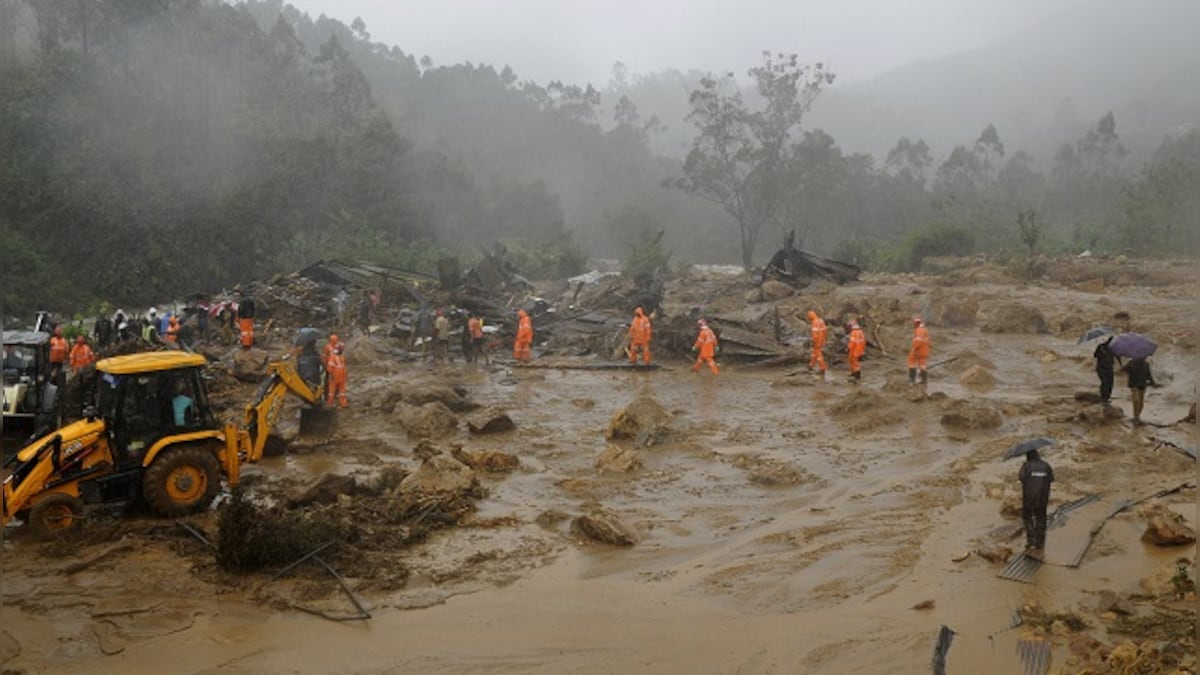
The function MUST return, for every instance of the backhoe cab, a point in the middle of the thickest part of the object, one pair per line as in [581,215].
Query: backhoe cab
[30,397]
[152,436]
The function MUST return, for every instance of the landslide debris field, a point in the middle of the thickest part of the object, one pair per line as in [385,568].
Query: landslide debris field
[666,521]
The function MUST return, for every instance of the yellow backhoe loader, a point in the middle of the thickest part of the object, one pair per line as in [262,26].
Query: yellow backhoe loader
[152,435]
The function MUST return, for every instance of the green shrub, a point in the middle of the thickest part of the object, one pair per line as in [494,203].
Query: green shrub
[933,239]
[867,254]
[555,260]
[647,256]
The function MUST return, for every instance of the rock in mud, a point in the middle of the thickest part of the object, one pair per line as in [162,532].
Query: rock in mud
[250,365]
[432,420]
[1164,527]
[994,554]
[977,376]
[858,401]
[618,459]
[490,421]
[550,518]
[605,528]
[325,490]
[957,314]
[773,290]
[453,398]
[971,414]
[776,474]
[1088,397]
[440,475]
[1111,602]
[489,461]
[643,419]
[1101,413]
[1094,285]
[967,359]
[1014,318]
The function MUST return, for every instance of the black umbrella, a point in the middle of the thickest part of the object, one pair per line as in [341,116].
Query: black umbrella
[1026,446]
[306,336]
[1095,332]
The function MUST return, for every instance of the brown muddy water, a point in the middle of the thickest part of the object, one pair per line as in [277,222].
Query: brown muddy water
[786,525]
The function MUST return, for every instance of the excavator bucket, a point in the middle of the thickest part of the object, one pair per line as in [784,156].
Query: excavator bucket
[317,421]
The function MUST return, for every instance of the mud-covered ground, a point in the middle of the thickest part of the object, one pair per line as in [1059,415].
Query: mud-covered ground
[773,523]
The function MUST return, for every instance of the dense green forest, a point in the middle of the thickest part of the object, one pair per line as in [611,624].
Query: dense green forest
[154,148]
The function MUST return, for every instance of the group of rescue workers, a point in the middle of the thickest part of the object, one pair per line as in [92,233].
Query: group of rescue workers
[706,345]
[62,355]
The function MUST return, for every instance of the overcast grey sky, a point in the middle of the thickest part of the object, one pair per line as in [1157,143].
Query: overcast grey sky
[579,40]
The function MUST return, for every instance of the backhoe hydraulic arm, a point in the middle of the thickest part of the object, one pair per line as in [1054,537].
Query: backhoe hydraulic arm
[262,414]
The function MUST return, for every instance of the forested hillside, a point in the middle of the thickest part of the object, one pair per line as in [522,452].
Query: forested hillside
[152,149]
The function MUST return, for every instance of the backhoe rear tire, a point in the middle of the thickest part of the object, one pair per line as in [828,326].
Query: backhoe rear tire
[55,516]
[182,480]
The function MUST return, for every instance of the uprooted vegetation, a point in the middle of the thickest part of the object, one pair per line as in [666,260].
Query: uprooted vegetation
[397,509]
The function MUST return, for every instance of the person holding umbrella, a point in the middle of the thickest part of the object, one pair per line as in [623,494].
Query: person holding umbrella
[1105,359]
[1137,348]
[1035,476]
[1140,377]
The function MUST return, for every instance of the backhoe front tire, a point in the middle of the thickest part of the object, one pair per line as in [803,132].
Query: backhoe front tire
[55,516]
[182,480]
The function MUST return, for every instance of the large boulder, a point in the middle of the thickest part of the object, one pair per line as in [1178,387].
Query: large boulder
[489,461]
[439,476]
[606,528]
[250,365]
[454,398]
[643,420]
[432,420]
[490,421]
[977,376]
[1164,527]
[971,414]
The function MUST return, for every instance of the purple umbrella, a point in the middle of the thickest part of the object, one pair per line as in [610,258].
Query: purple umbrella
[1132,346]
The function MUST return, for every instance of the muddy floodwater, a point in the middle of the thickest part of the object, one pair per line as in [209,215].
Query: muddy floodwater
[783,524]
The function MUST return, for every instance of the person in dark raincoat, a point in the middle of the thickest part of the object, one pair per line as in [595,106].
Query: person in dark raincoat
[1036,476]
[1105,363]
[1140,377]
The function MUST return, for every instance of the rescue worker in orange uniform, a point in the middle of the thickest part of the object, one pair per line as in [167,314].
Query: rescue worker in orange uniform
[335,367]
[639,337]
[81,354]
[334,342]
[476,339]
[172,336]
[245,321]
[918,355]
[706,348]
[855,350]
[522,346]
[819,333]
[59,350]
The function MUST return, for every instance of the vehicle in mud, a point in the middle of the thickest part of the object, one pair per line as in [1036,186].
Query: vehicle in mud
[153,436]
[30,396]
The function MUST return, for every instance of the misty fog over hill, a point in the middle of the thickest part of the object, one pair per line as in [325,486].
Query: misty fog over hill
[1140,60]
[201,142]
[1038,87]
